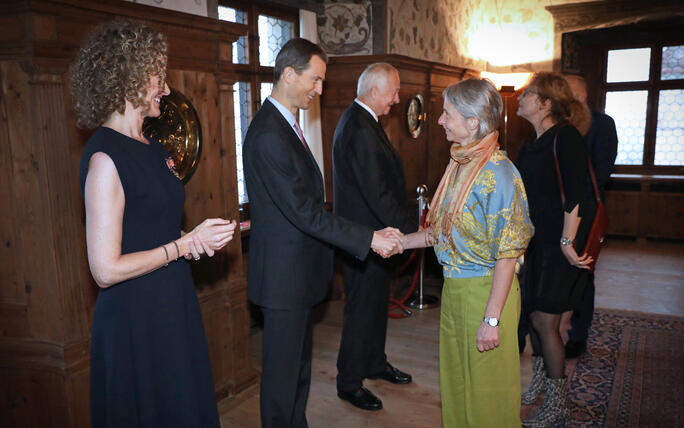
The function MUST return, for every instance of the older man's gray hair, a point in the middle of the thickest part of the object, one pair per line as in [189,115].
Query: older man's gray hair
[372,77]
[476,98]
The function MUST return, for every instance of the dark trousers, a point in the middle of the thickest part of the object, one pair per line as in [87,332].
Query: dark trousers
[286,363]
[583,313]
[364,329]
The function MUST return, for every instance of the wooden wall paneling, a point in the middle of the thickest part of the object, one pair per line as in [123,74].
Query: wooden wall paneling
[412,150]
[12,290]
[338,93]
[30,186]
[622,208]
[646,206]
[664,215]
[65,206]
[32,389]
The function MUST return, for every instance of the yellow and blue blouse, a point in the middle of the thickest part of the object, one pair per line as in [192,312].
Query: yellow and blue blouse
[493,224]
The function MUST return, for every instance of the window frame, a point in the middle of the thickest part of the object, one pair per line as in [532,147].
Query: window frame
[653,86]
[253,72]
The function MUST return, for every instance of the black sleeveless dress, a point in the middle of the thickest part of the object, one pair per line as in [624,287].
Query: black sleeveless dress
[149,365]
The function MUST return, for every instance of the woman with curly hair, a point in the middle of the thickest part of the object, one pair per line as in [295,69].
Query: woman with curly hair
[554,275]
[149,364]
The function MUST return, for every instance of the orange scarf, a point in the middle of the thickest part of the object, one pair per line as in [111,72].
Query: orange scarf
[464,166]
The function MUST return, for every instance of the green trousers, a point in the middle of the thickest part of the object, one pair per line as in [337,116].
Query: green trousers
[479,389]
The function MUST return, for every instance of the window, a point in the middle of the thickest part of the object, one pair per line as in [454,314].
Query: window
[241,92]
[270,27]
[273,34]
[240,48]
[644,94]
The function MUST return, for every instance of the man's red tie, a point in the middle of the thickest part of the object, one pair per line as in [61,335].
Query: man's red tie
[300,133]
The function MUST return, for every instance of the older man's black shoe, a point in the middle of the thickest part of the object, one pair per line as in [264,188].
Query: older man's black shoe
[390,374]
[361,398]
[575,349]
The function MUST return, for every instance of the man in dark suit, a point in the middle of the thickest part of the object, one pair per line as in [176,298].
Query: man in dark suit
[602,143]
[292,234]
[369,188]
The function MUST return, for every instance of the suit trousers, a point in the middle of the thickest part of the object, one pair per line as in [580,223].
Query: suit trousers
[286,362]
[364,329]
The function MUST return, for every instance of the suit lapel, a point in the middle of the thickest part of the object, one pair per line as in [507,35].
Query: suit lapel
[374,124]
[380,131]
[293,138]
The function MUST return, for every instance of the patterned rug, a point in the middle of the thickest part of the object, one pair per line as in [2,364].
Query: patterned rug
[632,374]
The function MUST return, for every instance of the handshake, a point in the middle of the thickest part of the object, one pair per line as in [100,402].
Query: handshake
[387,242]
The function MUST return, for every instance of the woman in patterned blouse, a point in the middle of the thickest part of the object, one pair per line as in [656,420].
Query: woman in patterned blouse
[479,225]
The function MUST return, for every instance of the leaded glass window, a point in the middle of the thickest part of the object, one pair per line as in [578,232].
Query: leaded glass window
[669,146]
[673,63]
[241,111]
[240,48]
[273,34]
[628,109]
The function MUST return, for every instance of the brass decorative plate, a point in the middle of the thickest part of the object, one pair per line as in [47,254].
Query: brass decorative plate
[178,129]
[415,115]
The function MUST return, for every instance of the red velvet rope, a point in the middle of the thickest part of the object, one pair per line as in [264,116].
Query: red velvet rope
[417,255]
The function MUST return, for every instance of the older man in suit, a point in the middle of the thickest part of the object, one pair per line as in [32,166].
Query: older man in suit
[369,188]
[292,234]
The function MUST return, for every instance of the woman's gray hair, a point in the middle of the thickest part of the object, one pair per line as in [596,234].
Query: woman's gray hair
[476,98]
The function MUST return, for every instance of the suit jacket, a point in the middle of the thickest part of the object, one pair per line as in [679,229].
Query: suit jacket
[602,144]
[292,234]
[368,175]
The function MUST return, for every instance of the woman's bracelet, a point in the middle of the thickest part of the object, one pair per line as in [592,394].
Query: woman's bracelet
[177,250]
[167,255]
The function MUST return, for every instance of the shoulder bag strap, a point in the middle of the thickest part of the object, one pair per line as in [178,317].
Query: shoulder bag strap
[593,180]
[558,174]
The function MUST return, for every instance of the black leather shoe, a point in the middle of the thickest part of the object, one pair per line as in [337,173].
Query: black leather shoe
[575,349]
[361,398]
[392,375]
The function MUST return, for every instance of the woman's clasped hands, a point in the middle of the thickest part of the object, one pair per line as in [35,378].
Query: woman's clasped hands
[208,237]
[581,262]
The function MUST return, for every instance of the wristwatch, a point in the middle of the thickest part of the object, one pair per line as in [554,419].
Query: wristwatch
[491,321]
[566,241]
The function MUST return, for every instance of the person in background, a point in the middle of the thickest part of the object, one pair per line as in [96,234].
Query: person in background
[479,225]
[602,144]
[370,189]
[554,275]
[292,234]
[149,364]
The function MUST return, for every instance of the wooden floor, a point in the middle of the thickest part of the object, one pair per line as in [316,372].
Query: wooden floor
[640,276]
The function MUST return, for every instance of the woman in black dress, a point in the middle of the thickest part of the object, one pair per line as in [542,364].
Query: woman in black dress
[554,274]
[149,364]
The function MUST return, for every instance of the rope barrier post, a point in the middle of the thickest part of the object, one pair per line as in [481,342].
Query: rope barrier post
[421,300]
